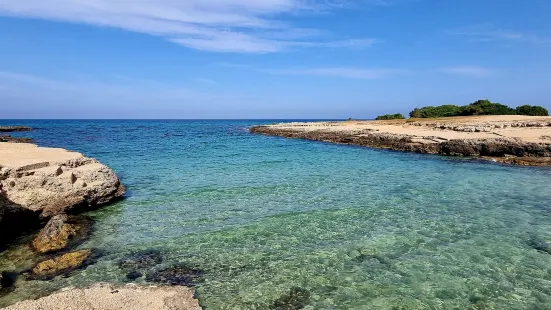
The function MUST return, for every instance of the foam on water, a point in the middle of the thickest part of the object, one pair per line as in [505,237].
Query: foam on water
[358,228]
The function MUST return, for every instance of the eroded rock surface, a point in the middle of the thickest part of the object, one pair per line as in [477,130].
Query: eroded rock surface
[61,265]
[51,188]
[109,297]
[61,232]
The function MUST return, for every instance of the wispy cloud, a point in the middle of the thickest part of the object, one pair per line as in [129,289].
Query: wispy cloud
[349,73]
[488,33]
[117,86]
[472,71]
[334,72]
[243,26]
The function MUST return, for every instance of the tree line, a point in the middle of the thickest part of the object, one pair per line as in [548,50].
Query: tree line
[480,107]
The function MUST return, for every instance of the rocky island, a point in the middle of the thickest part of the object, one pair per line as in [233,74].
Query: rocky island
[512,139]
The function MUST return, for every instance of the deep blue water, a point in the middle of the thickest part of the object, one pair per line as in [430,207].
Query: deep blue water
[358,228]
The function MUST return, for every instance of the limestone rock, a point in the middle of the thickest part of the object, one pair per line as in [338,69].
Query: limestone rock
[52,188]
[107,296]
[522,151]
[61,232]
[61,265]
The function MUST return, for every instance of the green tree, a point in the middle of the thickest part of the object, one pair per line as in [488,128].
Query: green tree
[532,110]
[390,117]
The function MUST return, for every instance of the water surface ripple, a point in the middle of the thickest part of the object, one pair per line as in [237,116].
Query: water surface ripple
[358,228]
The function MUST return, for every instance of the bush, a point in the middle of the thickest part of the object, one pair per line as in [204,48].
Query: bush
[480,107]
[485,107]
[532,110]
[439,111]
[390,116]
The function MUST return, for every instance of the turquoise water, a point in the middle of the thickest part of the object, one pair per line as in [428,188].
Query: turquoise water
[358,228]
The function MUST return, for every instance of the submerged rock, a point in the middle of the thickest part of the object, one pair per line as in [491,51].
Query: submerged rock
[7,280]
[540,244]
[133,275]
[177,275]
[14,128]
[140,260]
[61,265]
[297,298]
[61,232]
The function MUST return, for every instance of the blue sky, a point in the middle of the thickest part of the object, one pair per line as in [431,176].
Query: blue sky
[268,58]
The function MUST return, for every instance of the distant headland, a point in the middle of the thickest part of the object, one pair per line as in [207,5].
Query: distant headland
[483,129]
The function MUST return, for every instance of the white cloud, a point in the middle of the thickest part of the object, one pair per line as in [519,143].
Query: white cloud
[245,26]
[473,71]
[487,33]
[349,73]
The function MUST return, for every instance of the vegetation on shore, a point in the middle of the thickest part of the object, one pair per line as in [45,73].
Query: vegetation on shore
[480,107]
[390,117]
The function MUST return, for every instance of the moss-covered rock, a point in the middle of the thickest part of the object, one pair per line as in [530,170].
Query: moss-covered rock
[61,265]
[61,232]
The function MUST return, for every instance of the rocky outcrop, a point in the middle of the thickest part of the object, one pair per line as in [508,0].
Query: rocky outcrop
[106,296]
[61,232]
[509,148]
[51,188]
[14,128]
[61,265]
[11,139]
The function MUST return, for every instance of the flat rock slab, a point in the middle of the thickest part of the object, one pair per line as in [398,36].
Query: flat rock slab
[50,181]
[18,155]
[108,297]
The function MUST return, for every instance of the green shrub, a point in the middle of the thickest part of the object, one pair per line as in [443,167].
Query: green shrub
[439,111]
[532,110]
[480,107]
[390,117]
[485,107]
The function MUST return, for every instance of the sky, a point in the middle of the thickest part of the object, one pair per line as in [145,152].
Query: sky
[268,59]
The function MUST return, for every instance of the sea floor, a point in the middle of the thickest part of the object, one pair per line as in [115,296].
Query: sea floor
[272,221]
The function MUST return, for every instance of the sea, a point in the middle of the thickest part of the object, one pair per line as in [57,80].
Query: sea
[348,227]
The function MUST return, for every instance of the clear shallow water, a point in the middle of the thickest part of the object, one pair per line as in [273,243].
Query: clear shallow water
[358,228]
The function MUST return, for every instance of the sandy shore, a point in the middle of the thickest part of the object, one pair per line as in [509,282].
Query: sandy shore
[17,155]
[512,139]
[108,297]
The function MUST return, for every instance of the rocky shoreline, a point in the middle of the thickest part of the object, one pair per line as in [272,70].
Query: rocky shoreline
[50,186]
[14,128]
[485,138]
